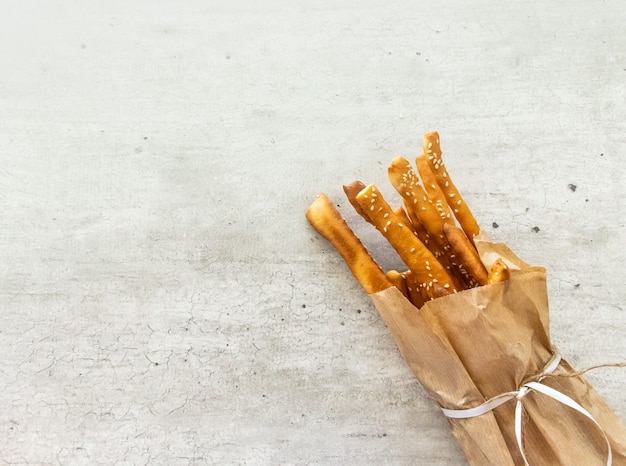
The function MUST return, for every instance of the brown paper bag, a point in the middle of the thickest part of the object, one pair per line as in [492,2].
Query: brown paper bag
[469,347]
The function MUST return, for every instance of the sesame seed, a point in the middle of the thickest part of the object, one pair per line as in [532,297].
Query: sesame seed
[400,224]
[452,194]
[386,215]
[430,144]
[446,285]
[458,202]
[372,208]
[412,249]
[385,229]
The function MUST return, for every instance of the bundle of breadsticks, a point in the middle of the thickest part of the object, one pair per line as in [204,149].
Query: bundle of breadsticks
[471,320]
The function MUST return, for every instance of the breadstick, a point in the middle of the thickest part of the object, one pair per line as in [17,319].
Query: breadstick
[400,212]
[439,291]
[499,272]
[466,253]
[328,222]
[351,191]
[399,281]
[422,263]
[434,192]
[460,209]
[406,182]
[422,212]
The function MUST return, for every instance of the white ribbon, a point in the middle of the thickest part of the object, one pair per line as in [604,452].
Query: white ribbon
[519,395]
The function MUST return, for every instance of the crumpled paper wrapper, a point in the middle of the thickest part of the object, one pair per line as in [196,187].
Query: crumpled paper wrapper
[469,347]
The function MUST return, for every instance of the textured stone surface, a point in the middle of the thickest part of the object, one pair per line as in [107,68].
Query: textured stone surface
[163,299]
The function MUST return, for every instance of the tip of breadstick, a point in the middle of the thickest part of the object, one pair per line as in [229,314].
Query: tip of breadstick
[366,191]
[399,161]
[432,135]
[352,189]
[320,209]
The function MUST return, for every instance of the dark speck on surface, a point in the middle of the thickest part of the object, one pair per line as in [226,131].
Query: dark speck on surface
[572,187]
[495,225]
[535,229]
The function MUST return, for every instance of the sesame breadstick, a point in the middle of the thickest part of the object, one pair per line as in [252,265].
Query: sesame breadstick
[417,293]
[423,214]
[439,292]
[434,192]
[408,185]
[466,254]
[422,263]
[399,281]
[499,272]
[400,212]
[351,191]
[459,208]
[329,223]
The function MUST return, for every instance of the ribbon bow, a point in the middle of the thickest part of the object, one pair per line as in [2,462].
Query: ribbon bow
[519,396]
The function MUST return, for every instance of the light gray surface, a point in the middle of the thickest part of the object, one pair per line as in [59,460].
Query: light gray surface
[163,300]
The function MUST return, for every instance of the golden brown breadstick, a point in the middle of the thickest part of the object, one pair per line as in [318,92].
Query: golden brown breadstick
[439,291]
[328,222]
[434,192]
[499,272]
[351,191]
[419,207]
[417,294]
[399,281]
[422,263]
[400,212]
[460,209]
[466,253]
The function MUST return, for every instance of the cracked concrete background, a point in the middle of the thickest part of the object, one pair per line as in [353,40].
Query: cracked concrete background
[163,300]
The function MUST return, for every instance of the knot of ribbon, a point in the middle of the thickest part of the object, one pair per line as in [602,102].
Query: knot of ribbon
[519,394]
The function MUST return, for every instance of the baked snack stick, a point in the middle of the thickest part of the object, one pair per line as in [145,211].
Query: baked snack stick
[466,254]
[420,261]
[351,191]
[399,281]
[499,272]
[459,208]
[423,213]
[418,205]
[433,191]
[328,222]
